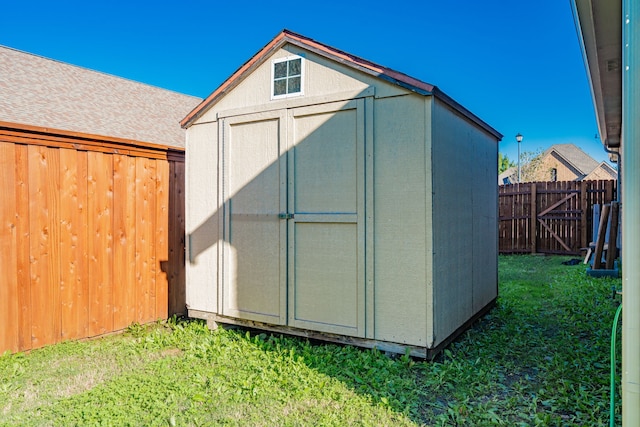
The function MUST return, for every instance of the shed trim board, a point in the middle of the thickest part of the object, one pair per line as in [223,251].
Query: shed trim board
[369,223]
[430,352]
[298,102]
[344,214]
[428,197]
[213,321]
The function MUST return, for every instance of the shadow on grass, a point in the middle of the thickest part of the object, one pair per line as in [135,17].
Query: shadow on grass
[541,356]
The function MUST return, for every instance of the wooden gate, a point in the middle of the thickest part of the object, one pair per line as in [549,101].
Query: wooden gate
[549,217]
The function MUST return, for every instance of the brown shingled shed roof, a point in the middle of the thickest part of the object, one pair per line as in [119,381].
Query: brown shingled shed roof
[368,67]
[42,92]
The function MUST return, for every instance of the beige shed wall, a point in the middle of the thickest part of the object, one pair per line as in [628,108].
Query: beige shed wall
[202,218]
[324,80]
[321,77]
[464,220]
[434,201]
[401,236]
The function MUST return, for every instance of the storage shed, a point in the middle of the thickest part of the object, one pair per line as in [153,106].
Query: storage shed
[333,198]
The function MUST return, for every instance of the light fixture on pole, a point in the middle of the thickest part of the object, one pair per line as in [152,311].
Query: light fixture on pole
[519,139]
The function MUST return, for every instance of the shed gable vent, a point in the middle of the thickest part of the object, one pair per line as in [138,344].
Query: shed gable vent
[287,77]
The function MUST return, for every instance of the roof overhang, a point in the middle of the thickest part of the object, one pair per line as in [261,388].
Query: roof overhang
[599,26]
[360,64]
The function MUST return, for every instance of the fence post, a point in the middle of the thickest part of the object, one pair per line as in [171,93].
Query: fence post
[609,191]
[612,250]
[584,206]
[534,218]
[602,231]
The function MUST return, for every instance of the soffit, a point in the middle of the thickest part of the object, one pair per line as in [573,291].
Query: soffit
[599,25]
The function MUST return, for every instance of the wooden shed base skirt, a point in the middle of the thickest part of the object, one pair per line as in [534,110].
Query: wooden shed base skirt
[422,352]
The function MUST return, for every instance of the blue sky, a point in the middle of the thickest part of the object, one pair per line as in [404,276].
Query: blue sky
[516,64]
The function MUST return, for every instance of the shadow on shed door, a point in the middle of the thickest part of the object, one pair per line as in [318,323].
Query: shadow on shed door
[294,217]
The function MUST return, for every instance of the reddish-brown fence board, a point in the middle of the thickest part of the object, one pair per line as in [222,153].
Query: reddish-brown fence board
[8,250]
[124,252]
[91,236]
[22,250]
[549,217]
[174,268]
[162,236]
[74,294]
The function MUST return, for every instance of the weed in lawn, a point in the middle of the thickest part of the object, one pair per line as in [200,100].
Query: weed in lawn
[539,358]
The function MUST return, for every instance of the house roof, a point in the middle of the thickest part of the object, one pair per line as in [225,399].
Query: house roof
[604,166]
[363,65]
[42,92]
[573,155]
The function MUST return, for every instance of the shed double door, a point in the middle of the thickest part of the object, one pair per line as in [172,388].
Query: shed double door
[294,228]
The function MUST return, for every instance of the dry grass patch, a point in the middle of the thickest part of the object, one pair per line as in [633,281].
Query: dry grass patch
[69,369]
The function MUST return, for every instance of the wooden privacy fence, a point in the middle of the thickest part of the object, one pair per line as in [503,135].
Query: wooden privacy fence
[91,235]
[549,217]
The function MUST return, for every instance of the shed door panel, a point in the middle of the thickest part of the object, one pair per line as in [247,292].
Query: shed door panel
[326,233]
[254,261]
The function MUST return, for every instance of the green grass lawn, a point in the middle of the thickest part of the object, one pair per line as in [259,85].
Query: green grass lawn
[541,357]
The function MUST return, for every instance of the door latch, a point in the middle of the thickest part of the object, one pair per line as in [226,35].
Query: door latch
[283,215]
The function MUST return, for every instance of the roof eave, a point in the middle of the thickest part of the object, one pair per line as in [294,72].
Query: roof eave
[254,62]
[553,149]
[599,29]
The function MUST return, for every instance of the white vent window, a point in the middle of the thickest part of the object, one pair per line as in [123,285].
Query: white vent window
[287,76]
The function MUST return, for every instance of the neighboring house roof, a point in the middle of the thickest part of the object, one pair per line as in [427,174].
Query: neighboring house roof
[363,65]
[46,93]
[578,159]
[582,164]
[601,171]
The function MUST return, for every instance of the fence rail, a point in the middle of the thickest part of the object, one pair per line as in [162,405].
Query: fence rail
[549,217]
[91,237]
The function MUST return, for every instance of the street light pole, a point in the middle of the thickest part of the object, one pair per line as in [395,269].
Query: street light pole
[519,139]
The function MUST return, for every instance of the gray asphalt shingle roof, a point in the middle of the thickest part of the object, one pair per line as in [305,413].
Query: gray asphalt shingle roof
[43,92]
[575,156]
